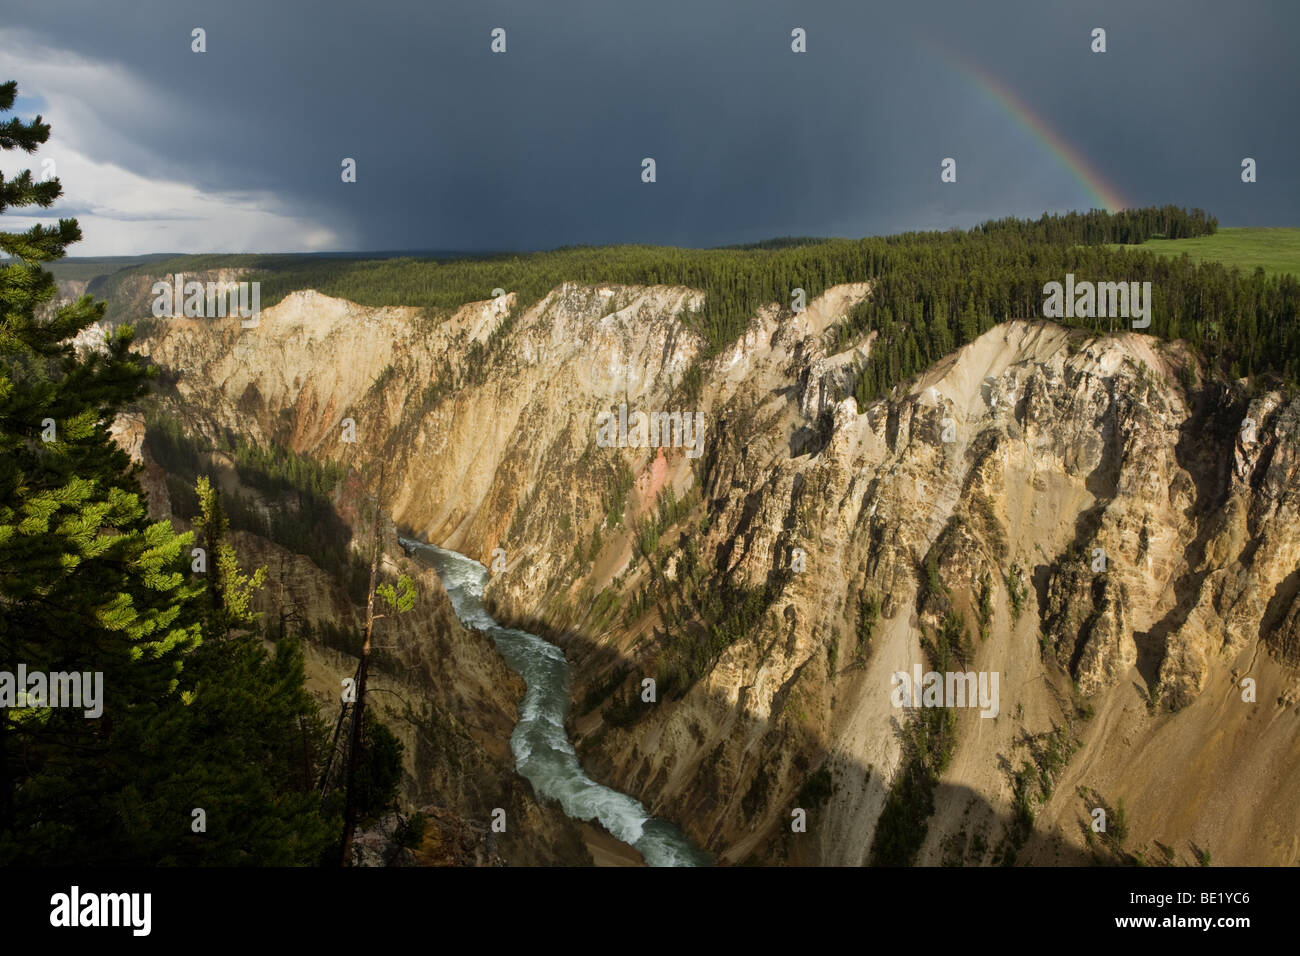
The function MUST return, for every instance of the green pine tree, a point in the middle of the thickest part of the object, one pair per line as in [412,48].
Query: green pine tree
[208,748]
[87,582]
[230,596]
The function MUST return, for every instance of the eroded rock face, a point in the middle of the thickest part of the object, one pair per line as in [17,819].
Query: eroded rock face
[1284,640]
[1086,619]
[983,492]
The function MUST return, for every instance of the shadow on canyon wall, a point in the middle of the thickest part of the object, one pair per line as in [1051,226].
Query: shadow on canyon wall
[992,836]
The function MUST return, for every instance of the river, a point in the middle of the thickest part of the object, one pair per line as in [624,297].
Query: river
[543,752]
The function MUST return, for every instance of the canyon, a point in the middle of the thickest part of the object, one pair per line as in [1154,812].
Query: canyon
[772,584]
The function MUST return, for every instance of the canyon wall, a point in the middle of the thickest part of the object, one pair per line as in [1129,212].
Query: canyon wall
[1083,515]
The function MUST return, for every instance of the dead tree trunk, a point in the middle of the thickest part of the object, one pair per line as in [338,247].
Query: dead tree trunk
[359,710]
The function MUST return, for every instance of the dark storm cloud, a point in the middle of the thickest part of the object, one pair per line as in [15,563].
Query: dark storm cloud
[542,146]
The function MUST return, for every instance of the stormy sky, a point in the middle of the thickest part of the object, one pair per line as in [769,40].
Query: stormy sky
[238,149]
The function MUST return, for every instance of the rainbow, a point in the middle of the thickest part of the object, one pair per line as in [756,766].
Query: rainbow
[1104,194]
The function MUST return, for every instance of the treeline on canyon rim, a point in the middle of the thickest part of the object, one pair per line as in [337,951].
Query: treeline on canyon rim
[931,291]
